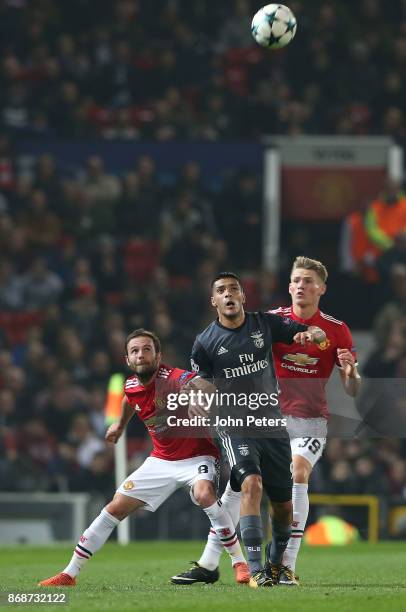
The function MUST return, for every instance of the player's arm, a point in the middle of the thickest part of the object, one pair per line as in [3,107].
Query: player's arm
[114,432]
[348,371]
[313,334]
[201,393]
[288,331]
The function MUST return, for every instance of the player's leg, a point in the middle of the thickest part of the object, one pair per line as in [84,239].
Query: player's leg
[281,521]
[277,476]
[305,454]
[213,550]
[244,458]
[202,478]
[205,495]
[94,537]
[152,488]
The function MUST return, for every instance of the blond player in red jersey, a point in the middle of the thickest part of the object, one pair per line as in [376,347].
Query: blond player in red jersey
[302,374]
[174,461]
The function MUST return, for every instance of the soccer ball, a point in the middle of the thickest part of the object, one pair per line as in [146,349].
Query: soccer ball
[273,26]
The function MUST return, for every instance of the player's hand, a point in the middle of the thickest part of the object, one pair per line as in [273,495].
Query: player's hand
[313,334]
[198,407]
[113,434]
[347,361]
[197,411]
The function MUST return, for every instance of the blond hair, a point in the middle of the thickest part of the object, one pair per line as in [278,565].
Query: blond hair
[311,264]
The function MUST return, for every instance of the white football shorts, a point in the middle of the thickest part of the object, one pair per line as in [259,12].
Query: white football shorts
[157,479]
[308,437]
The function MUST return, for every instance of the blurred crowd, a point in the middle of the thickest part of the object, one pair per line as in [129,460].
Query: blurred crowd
[84,260]
[87,258]
[166,70]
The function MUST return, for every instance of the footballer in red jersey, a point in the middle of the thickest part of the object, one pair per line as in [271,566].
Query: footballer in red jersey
[315,363]
[149,403]
[302,372]
[302,376]
[173,463]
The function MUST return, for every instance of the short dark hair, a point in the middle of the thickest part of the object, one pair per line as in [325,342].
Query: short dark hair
[226,275]
[143,332]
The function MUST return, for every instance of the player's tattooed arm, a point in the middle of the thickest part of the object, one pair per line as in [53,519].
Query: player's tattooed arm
[114,432]
[313,334]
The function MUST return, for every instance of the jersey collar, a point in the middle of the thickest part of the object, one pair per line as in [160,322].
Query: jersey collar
[310,321]
[232,329]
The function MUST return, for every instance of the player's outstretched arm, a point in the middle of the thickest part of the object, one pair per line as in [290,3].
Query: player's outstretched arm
[349,374]
[113,434]
[312,334]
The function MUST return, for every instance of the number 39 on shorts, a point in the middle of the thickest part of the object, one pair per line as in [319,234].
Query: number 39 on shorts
[313,445]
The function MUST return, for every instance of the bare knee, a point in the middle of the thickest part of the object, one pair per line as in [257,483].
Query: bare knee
[301,475]
[203,492]
[116,510]
[121,506]
[252,487]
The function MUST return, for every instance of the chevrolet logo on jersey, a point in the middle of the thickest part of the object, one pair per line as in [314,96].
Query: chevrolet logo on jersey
[155,421]
[301,359]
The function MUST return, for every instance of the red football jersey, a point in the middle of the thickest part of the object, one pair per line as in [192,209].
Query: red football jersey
[150,400]
[303,371]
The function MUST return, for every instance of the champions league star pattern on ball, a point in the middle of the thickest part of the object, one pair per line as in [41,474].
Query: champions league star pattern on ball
[274,26]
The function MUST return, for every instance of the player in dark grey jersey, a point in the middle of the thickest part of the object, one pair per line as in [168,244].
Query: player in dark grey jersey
[235,352]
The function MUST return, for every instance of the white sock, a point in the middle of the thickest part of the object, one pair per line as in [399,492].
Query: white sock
[214,548]
[92,539]
[300,500]
[223,525]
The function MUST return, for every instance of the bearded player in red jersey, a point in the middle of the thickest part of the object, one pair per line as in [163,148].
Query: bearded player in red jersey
[174,461]
[302,374]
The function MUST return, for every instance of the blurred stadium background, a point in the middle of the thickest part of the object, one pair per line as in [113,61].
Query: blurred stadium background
[144,146]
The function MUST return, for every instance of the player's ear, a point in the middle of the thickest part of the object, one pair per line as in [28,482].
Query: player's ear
[213,302]
[127,361]
[243,297]
[323,288]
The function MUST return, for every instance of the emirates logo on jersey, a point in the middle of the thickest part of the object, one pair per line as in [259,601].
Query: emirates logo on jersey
[324,345]
[300,359]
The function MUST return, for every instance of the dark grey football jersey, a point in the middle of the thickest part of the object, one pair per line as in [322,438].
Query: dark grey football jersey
[240,360]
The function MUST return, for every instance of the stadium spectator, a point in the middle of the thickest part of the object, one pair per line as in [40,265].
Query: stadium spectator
[40,286]
[386,216]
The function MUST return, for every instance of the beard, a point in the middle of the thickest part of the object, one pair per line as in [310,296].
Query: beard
[145,371]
